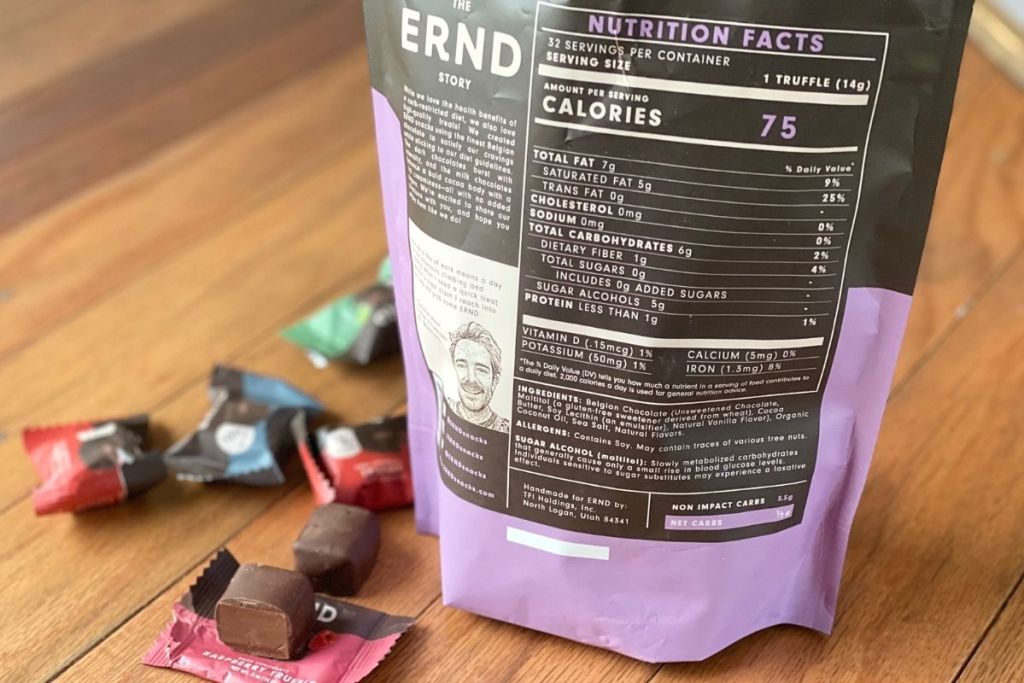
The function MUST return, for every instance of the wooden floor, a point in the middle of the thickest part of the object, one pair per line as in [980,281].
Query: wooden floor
[180,179]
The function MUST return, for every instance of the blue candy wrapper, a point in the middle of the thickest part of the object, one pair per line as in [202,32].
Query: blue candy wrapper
[246,435]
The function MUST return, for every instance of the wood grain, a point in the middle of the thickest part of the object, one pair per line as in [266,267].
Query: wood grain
[121,109]
[44,40]
[450,645]
[978,221]
[1000,658]
[140,219]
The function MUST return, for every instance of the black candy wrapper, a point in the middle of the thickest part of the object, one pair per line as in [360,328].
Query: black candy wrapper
[91,464]
[246,435]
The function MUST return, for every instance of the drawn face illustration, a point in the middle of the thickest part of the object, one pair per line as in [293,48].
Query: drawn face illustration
[476,378]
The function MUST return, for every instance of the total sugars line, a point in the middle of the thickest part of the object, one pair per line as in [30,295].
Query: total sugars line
[690,272]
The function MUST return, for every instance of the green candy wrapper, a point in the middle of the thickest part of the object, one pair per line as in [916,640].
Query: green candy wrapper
[358,329]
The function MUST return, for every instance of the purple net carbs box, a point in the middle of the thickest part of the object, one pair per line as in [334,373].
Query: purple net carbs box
[653,265]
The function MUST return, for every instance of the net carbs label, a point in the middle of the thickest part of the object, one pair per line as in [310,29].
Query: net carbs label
[685,192]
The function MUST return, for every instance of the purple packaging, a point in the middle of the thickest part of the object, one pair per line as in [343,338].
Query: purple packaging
[653,267]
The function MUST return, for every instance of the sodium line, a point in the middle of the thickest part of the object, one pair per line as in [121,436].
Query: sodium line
[695,168]
[596,216]
[684,140]
[685,197]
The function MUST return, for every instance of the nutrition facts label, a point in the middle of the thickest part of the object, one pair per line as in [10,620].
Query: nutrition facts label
[687,181]
[690,191]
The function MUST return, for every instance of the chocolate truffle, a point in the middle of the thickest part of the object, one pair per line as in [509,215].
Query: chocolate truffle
[337,548]
[267,612]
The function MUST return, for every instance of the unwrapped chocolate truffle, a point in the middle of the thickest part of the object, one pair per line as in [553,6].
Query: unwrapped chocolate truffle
[267,612]
[348,643]
[337,548]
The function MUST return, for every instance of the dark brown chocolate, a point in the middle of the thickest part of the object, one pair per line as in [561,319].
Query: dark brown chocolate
[337,548]
[267,612]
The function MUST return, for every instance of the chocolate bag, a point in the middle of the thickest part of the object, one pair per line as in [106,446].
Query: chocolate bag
[653,262]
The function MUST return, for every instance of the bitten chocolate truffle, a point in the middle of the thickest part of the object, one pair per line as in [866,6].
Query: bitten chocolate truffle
[267,612]
[337,548]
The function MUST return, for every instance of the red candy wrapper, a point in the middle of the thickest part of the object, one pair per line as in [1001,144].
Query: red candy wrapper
[91,464]
[350,641]
[367,465]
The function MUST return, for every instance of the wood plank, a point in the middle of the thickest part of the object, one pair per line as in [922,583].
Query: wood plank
[1000,658]
[451,645]
[77,578]
[165,330]
[979,212]
[133,223]
[16,15]
[42,40]
[938,542]
[98,121]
